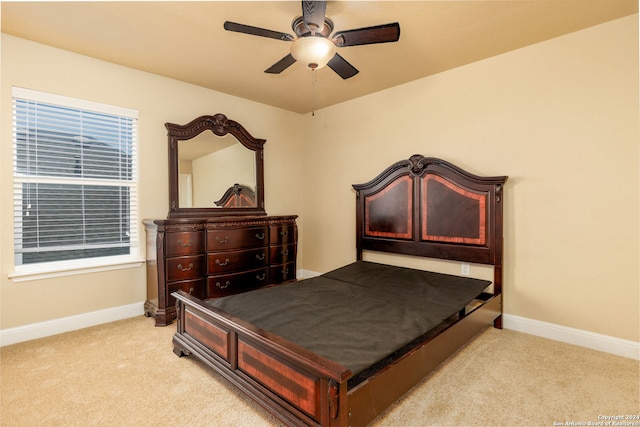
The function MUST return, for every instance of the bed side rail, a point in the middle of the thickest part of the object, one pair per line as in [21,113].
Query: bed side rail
[370,398]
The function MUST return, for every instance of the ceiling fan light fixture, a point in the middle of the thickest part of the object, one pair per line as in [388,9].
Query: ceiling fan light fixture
[313,51]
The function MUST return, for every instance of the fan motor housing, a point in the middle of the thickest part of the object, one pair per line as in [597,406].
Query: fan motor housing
[302,31]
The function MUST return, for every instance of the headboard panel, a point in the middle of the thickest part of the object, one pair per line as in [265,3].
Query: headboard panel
[428,207]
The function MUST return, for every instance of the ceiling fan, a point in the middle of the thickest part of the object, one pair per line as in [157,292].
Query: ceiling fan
[312,43]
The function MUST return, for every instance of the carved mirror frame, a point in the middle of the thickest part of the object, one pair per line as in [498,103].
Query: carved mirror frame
[220,125]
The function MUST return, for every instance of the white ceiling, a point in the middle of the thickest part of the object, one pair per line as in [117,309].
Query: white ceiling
[186,40]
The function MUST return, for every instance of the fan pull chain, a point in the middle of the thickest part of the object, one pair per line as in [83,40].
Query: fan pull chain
[313,91]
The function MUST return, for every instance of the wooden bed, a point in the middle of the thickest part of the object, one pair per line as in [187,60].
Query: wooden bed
[423,207]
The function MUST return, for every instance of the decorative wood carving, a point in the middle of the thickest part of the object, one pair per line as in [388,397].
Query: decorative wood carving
[238,196]
[334,402]
[216,256]
[220,125]
[454,214]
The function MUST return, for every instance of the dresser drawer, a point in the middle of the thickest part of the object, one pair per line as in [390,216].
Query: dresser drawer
[282,254]
[228,262]
[184,267]
[282,273]
[196,288]
[183,243]
[282,234]
[227,284]
[222,240]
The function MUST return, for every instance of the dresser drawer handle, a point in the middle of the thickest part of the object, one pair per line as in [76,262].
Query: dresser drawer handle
[284,252]
[191,291]
[221,286]
[181,268]
[262,277]
[260,257]
[221,241]
[285,272]
[222,264]
[184,245]
[259,236]
[284,233]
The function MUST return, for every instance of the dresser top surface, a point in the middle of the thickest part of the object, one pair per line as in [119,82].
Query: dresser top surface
[222,221]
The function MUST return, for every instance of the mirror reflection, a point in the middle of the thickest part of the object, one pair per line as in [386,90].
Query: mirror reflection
[215,172]
[216,167]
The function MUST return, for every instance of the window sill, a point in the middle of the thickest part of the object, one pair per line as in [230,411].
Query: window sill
[61,271]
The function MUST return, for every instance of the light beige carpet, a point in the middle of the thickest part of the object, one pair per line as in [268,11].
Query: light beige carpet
[125,374]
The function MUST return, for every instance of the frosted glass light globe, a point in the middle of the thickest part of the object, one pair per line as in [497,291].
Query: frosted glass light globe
[314,52]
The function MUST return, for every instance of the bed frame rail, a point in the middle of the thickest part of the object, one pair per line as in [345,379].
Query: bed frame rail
[304,389]
[370,398]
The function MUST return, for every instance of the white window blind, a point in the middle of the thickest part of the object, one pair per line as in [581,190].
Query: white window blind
[74,180]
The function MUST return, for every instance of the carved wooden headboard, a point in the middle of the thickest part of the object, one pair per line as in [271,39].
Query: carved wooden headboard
[429,207]
[238,196]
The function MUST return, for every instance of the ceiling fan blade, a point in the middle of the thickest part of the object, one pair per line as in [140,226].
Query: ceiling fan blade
[281,65]
[313,14]
[370,35]
[255,31]
[342,67]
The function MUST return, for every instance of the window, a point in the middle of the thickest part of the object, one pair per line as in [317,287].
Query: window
[74,182]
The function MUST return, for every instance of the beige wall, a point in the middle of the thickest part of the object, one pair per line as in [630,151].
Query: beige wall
[158,100]
[560,118]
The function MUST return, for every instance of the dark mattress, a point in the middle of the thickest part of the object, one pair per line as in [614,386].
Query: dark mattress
[358,314]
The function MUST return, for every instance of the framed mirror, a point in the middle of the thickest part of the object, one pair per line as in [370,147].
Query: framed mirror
[216,168]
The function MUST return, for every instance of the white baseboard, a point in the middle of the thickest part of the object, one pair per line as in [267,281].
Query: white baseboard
[67,324]
[307,274]
[604,343]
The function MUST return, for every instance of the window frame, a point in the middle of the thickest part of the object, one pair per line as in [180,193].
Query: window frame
[50,269]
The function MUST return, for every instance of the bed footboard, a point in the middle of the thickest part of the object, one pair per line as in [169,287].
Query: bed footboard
[297,386]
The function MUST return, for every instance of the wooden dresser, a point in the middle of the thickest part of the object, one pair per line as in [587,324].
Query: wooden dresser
[216,256]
